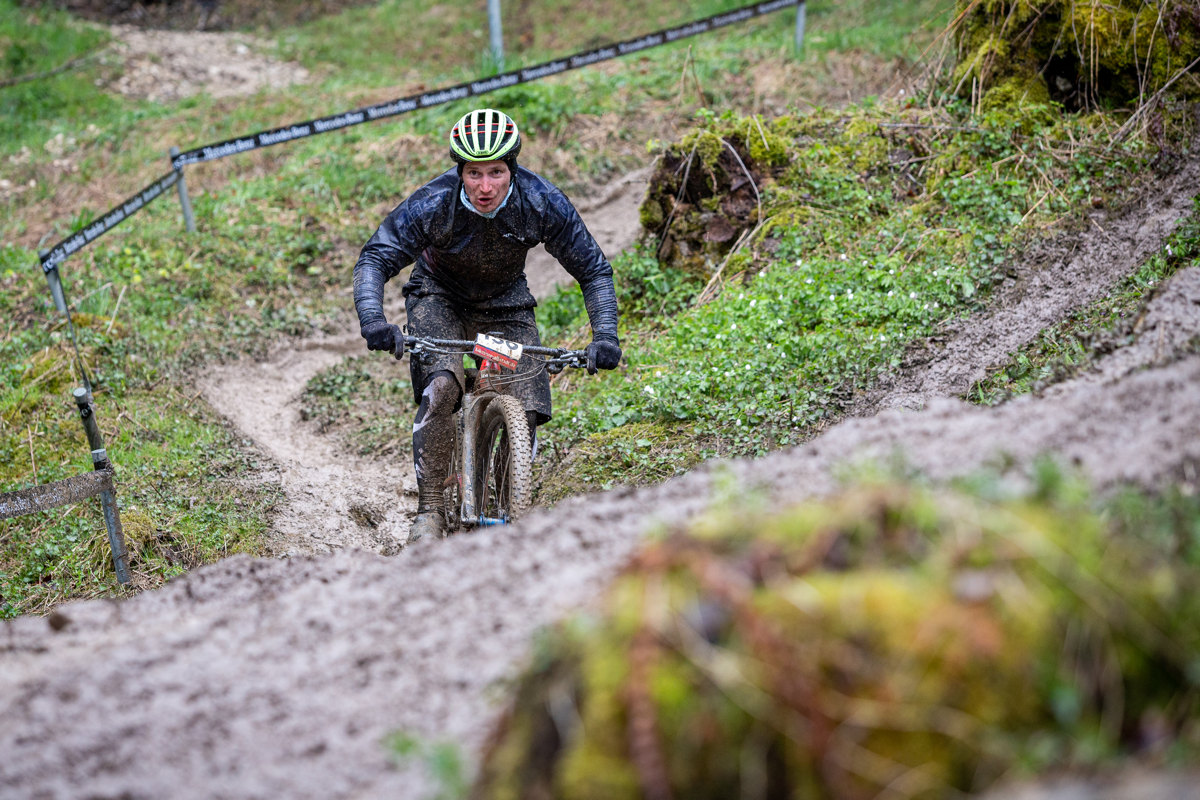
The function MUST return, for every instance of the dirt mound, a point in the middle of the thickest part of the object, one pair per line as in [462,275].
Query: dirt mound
[1042,287]
[166,66]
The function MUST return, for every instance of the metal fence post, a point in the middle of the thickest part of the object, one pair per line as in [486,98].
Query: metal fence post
[189,220]
[108,497]
[800,20]
[497,35]
[56,290]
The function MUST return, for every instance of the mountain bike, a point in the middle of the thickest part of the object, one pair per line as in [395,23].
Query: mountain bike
[490,479]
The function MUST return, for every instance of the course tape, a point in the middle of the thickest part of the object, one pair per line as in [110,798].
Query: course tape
[403,105]
[118,214]
[54,495]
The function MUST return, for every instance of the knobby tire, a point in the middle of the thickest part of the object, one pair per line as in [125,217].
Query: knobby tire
[504,483]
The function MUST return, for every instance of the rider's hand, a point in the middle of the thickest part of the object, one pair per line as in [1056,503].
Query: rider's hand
[382,335]
[603,353]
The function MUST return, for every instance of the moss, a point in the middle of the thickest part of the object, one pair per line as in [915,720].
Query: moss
[651,215]
[1089,51]
[891,638]
[1016,92]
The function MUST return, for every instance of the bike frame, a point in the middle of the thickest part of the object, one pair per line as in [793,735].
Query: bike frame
[469,417]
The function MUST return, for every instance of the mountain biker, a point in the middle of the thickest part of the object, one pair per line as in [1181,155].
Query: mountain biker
[468,232]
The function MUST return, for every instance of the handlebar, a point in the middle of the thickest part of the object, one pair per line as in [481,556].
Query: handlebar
[555,359]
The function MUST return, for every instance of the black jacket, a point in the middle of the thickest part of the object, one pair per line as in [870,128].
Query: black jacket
[479,262]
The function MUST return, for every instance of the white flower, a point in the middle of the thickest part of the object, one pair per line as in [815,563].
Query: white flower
[648,390]
[658,373]
[890,294]
[912,295]
[753,303]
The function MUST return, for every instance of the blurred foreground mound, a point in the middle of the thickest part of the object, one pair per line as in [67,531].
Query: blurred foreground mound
[895,642]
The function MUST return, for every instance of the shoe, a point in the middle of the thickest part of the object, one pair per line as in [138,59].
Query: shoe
[427,524]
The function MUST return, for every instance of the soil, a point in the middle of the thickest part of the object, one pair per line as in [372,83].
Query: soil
[284,677]
[166,66]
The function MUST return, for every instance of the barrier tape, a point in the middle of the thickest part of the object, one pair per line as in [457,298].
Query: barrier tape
[403,105]
[118,214]
[54,495]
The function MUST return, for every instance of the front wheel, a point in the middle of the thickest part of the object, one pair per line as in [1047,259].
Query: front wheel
[504,462]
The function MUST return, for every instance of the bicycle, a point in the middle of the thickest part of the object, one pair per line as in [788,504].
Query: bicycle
[490,480]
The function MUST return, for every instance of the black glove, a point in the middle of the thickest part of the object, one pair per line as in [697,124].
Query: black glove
[603,353]
[382,335]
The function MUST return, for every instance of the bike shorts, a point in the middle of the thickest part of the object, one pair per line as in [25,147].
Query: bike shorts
[438,317]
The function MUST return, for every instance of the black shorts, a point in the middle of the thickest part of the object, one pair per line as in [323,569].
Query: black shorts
[438,317]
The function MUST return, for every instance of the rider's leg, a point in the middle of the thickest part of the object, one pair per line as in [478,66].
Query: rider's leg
[433,445]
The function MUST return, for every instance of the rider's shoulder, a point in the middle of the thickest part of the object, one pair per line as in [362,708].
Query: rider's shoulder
[540,191]
[444,184]
[442,189]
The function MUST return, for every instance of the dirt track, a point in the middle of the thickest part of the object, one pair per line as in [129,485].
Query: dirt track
[280,678]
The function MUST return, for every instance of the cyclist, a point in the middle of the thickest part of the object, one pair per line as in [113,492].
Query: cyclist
[467,232]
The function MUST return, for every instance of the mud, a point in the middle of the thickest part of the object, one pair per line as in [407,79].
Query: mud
[260,678]
[1044,286]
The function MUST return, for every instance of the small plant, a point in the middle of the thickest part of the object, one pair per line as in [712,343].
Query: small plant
[443,761]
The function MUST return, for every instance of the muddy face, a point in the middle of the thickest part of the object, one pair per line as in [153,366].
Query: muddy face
[486,184]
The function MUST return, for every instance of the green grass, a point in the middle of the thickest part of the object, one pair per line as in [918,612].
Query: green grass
[35,41]
[850,272]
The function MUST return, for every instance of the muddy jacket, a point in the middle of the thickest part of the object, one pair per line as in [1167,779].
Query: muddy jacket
[477,262]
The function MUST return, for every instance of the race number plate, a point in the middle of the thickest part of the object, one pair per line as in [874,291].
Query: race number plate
[501,351]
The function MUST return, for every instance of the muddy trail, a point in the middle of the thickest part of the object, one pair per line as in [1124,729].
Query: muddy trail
[265,678]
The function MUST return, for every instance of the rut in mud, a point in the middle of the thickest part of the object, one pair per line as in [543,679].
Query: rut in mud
[282,678]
